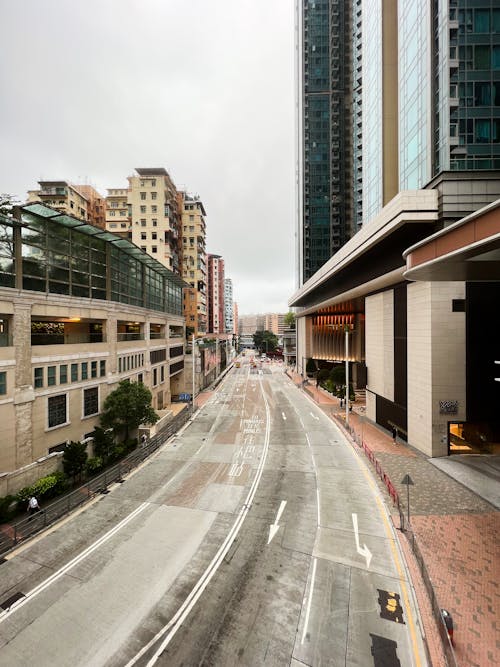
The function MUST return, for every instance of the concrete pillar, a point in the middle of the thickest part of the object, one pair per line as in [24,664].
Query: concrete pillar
[24,394]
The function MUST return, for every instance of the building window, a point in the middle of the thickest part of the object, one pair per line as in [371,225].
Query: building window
[144,236]
[155,377]
[143,222]
[153,195]
[143,248]
[56,410]
[154,249]
[143,196]
[38,378]
[113,225]
[162,373]
[154,235]
[93,369]
[155,222]
[154,208]
[143,208]
[123,213]
[63,374]
[74,372]
[3,383]
[90,401]
[102,368]
[51,376]
[85,370]
[153,182]
[140,378]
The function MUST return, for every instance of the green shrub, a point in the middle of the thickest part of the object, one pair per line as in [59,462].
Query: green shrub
[93,466]
[323,375]
[8,508]
[46,487]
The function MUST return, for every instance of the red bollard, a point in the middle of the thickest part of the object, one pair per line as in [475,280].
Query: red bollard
[448,621]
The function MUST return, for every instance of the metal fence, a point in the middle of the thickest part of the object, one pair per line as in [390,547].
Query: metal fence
[22,530]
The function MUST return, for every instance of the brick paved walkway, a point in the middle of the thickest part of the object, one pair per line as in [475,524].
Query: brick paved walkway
[457,533]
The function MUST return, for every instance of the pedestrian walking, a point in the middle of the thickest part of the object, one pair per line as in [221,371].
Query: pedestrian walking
[33,507]
[394,434]
[144,438]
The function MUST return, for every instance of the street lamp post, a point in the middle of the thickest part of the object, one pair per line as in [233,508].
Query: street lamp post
[194,363]
[346,328]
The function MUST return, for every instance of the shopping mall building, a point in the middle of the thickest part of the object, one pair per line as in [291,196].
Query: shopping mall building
[417,299]
[80,310]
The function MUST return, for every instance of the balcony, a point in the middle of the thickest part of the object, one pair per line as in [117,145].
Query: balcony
[129,331]
[66,332]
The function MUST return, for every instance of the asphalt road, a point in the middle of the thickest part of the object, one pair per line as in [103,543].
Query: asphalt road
[256,536]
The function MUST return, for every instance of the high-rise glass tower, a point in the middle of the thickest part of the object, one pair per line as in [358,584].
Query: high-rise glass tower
[325,130]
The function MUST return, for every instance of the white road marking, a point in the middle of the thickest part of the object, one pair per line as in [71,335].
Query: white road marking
[274,527]
[362,551]
[283,415]
[314,416]
[309,600]
[171,628]
[72,563]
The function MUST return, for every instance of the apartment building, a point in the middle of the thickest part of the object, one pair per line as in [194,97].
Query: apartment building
[215,294]
[82,311]
[275,322]
[61,196]
[194,260]
[117,212]
[96,205]
[155,217]
[228,305]
[235,318]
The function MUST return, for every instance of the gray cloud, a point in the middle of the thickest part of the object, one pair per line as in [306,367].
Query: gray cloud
[92,90]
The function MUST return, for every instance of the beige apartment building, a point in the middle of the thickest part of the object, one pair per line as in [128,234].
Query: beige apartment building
[71,327]
[194,260]
[154,215]
[80,201]
[275,322]
[117,212]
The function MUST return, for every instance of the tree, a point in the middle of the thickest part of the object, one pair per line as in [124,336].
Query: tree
[74,458]
[128,406]
[265,341]
[311,367]
[290,320]
[7,203]
[103,444]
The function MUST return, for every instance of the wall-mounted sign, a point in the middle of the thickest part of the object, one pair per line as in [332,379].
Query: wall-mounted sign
[448,407]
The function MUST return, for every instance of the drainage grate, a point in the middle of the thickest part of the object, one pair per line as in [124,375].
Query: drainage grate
[7,604]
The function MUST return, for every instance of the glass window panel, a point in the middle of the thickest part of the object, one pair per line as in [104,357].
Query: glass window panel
[33,284]
[56,273]
[38,378]
[59,288]
[483,94]
[482,57]
[74,372]
[495,57]
[85,370]
[481,20]
[496,20]
[483,129]
[78,290]
[93,369]
[3,383]
[51,376]
[63,374]
[90,401]
[57,410]
[102,368]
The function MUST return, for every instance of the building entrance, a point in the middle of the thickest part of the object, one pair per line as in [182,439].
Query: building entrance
[473,438]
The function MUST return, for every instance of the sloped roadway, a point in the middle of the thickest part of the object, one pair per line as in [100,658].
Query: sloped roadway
[254,537]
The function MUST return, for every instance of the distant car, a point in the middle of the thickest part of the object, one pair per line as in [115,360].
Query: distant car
[237,364]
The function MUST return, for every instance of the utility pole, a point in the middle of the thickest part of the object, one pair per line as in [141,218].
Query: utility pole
[194,363]
[346,328]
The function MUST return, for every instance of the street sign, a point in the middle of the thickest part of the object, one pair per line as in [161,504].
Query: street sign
[407,480]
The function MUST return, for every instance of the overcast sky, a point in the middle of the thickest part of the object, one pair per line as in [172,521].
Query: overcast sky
[205,88]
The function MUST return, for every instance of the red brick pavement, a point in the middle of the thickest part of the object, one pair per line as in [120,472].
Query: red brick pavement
[457,535]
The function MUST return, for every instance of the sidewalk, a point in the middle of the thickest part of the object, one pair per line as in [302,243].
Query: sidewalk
[457,534]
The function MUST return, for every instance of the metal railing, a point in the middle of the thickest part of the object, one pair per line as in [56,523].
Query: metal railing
[22,530]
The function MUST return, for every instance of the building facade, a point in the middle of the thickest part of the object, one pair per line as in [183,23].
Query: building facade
[118,219]
[325,167]
[155,216]
[80,201]
[429,162]
[194,260]
[228,306]
[79,311]
[216,322]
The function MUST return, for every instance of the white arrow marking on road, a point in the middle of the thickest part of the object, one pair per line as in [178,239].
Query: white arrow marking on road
[283,415]
[314,416]
[362,551]
[274,527]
